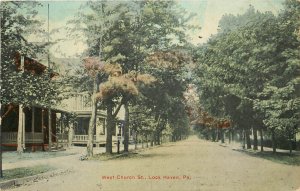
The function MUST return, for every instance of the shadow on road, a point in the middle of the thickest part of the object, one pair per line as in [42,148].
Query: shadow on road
[282,158]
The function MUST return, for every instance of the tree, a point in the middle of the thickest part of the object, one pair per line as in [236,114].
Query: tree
[132,30]
[117,87]
[95,68]
[251,61]
[166,98]
[23,86]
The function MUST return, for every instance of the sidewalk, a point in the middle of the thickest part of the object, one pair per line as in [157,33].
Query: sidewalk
[11,159]
[63,161]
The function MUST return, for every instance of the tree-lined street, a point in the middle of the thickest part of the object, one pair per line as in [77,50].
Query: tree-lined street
[137,75]
[199,165]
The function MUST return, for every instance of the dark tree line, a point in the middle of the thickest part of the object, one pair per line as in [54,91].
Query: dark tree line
[249,72]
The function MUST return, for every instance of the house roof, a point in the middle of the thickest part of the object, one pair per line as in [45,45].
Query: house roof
[31,65]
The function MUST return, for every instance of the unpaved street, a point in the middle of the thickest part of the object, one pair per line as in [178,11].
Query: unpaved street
[192,164]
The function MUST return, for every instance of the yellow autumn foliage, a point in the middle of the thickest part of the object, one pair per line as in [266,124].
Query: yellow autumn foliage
[113,69]
[145,78]
[117,85]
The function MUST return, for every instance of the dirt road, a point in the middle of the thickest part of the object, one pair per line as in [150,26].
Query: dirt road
[192,164]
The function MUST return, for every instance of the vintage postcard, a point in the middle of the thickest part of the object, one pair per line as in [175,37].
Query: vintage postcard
[150,95]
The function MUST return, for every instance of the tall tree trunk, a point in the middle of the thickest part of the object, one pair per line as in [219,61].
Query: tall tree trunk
[158,138]
[261,139]
[126,127]
[229,136]
[23,132]
[248,139]
[109,128]
[241,135]
[213,135]
[136,140]
[32,126]
[222,135]
[255,138]
[49,129]
[92,123]
[111,123]
[152,139]
[20,130]
[290,143]
[43,130]
[274,145]
[233,135]
[244,138]
[70,135]
[1,171]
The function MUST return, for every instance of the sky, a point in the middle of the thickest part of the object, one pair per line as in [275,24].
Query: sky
[209,12]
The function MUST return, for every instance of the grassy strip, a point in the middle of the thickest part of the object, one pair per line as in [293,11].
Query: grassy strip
[10,157]
[25,172]
[113,156]
[282,158]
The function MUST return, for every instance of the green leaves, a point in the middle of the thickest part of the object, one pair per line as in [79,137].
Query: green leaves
[18,20]
[255,60]
[126,33]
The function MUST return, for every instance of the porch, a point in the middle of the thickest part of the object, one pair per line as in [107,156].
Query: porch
[10,138]
[83,139]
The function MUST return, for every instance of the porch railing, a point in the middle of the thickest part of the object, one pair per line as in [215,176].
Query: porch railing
[11,137]
[83,139]
[37,137]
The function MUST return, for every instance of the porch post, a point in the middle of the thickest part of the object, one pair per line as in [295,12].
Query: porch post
[70,134]
[20,129]
[104,126]
[116,130]
[20,120]
[98,131]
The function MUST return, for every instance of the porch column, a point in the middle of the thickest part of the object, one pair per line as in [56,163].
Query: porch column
[104,126]
[20,130]
[117,131]
[23,130]
[20,137]
[98,131]
[70,134]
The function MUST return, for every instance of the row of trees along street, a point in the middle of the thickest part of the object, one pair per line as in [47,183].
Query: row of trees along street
[135,58]
[244,78]
[248,74]
[137,61]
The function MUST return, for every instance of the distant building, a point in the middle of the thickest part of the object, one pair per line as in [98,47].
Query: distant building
[80,104]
